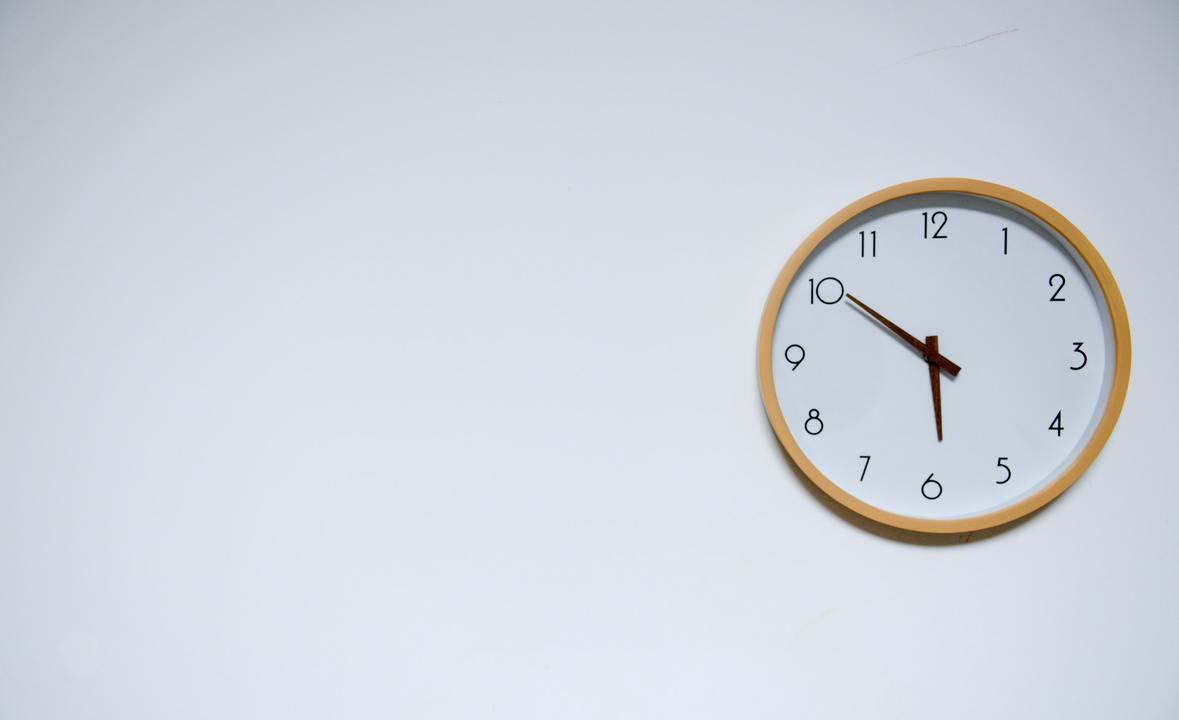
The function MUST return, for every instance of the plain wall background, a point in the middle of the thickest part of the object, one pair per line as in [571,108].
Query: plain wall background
[397,360]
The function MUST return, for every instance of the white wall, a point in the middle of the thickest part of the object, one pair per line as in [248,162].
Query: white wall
[397,360]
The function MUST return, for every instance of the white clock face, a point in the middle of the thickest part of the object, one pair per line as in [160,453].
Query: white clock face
[1010,303]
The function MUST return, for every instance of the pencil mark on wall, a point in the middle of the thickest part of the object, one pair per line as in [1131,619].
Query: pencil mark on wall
[957,46]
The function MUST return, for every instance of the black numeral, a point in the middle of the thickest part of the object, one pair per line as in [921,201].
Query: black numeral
[1084,358]
[813,417]
[933,220]
[1052,283]
[1004,241]
[867,459]
[800,354]
[834,290]
[931,489]
[1056,424]
[1000,464]
[866,241]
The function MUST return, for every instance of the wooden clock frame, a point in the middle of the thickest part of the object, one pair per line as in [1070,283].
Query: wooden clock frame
[1030,205]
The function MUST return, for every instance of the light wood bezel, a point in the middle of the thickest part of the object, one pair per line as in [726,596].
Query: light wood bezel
[1006,514]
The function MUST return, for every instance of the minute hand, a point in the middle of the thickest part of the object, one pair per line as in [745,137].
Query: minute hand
[934,357]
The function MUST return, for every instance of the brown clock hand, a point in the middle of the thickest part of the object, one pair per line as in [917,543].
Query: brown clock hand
[935,383]
[933,357]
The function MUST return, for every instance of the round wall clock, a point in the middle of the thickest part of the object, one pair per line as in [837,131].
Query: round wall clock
[944,355]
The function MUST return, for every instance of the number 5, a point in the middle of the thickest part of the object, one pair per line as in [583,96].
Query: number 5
[1000,464]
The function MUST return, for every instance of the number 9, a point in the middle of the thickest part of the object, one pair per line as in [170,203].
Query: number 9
[801,354]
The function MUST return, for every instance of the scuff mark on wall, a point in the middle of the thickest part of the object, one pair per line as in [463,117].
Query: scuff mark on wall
[943,48]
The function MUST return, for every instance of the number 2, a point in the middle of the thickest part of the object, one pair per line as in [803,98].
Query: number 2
[1052,284]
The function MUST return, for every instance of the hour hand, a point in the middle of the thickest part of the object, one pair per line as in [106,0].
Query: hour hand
[930,355]
[935,385]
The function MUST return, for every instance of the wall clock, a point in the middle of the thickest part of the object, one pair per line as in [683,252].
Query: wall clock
[944,355]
